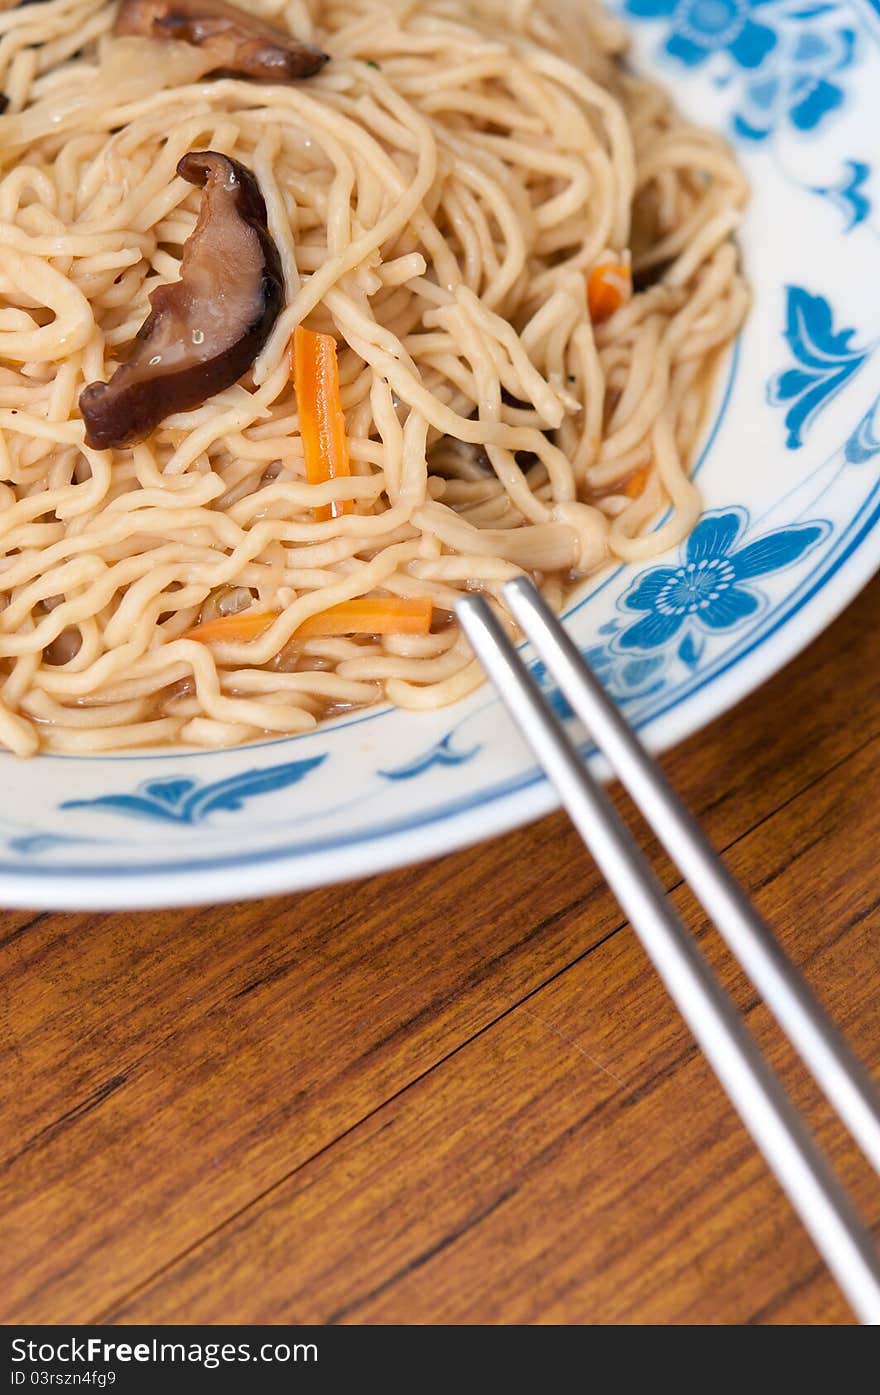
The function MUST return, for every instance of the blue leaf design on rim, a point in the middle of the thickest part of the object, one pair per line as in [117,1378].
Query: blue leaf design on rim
[708,590]
[636,672]
[690,651]
[170,793]
[33,843]
[826,357]
[184,800]
[847,193]
[864,442]
[625,679]
[441,753]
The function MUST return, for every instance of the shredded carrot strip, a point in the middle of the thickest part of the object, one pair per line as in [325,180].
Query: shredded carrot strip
[371,615]
[236,629]
[367,615]
[636,483]
[321,421]
[608,287]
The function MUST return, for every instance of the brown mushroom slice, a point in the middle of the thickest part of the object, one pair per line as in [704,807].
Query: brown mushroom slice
[205,330]
[242,43]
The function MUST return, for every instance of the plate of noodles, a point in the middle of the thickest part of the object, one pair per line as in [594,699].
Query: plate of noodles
[315,315]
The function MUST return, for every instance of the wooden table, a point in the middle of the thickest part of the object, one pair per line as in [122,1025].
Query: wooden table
[455,1093]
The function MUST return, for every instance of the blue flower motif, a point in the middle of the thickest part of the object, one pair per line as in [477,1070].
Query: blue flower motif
[797,84]
[786,54]
[708,589]
[703,27]
[827,362]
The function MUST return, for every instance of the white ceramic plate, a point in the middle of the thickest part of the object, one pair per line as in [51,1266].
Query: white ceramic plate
[790,475]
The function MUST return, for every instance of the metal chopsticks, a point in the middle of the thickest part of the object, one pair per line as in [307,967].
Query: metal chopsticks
[788,1147]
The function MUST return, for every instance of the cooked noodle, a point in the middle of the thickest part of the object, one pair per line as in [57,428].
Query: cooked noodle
[438,195]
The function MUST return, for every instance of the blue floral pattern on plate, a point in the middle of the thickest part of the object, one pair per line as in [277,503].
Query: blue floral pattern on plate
[783,58]
[187,800]
[708,594]
[710,589]
[826,361]
[700,28]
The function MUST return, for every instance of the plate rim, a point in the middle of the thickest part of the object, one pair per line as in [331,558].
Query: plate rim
[515,803]
[498,806]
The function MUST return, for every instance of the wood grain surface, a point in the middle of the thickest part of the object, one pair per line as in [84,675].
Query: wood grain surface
[454,1093]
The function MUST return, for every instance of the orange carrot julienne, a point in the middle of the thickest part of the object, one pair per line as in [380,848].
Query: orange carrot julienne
[636,483]
[366,615]
[608,287]
[371,615]
[234,629]
[321,420]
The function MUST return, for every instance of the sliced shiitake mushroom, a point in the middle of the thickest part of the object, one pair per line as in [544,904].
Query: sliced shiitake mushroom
[205,330]
[242,43]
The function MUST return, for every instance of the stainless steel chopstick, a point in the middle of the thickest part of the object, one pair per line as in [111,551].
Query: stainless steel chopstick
[835,1069]
[755,1090]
